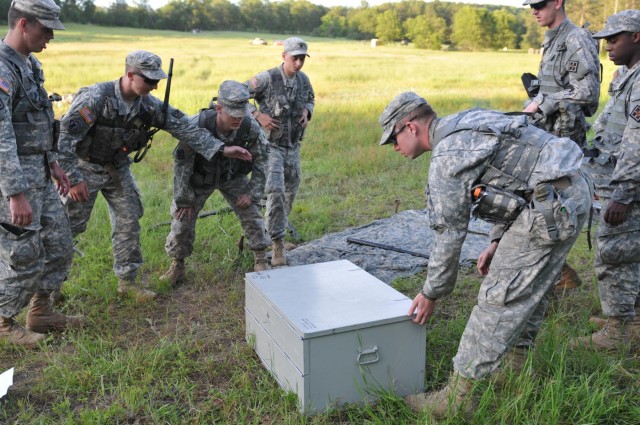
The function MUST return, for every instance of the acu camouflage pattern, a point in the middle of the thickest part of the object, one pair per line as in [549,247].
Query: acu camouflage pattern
[512,300]
[569,82]
[190,192]
[616,172]
[37,257]
[117,185]
[286,105]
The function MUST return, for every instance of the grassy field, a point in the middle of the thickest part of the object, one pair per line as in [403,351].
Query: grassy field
[183,359]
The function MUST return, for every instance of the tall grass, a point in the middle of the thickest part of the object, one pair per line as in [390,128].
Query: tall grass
[183,359]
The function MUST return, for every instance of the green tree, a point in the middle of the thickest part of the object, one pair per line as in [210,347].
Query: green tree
[505,34]
[472,28]
[388,26]
[427,31]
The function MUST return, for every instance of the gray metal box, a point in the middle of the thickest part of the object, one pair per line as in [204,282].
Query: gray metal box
[333,334]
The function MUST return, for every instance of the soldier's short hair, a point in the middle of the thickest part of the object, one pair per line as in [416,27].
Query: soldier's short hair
[15,15]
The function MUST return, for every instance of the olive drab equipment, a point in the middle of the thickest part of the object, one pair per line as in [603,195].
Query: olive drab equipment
[288,110]
[502,190]
[31,110]
[110,143]
[220,169]
[553,77]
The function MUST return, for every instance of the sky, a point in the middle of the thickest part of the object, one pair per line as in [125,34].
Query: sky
[331,3]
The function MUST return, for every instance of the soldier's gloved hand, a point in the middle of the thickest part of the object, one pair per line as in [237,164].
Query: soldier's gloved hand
[267,122]
[243,202]
[62,180]
[615,213]
[185,214]
[21,212]
[79,192]
[237,152]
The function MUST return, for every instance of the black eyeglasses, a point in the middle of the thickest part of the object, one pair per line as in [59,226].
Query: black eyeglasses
[148,81]
[539,6]
[393,138]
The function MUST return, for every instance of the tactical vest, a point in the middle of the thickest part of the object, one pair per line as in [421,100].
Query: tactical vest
[503,190]
[111,140]
[32,115]
[210,173]
[287,111]
[569,120]
[607,142]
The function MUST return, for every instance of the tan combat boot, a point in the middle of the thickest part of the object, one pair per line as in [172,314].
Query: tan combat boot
[177,273]
[569,279]
[260,262]
[43,318]
[614,335]
[13,333]
[455,398]
[278,259]
[126,286]
[599,322]
[513,363]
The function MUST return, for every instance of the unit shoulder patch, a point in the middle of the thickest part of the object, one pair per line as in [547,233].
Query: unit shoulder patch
[572,66]
[177,113]
[635,114]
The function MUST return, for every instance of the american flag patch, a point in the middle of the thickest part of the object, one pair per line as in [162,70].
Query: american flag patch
[87,115]
[5,86]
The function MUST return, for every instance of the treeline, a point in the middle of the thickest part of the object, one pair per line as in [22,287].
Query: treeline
[432,25]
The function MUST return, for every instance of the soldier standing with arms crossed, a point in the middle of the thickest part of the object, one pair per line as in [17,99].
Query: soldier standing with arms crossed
[614,165]
[525,180]
[196,178]
[286,102]
[35,240]
[568,85]
[106,122]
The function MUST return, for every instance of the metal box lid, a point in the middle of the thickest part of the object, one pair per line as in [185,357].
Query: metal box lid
[327,298]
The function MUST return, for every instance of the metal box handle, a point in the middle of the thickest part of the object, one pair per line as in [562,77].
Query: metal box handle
[368,355]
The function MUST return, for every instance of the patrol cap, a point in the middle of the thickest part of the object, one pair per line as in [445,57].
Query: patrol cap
[625,21]
[234,97]
[401,106]
[526,2]
[149,64]
[45,11]
[295,46]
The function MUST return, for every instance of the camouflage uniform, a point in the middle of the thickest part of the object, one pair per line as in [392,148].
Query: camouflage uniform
[196,178]
[525,180]
[569,82]
[93,132]
[284,99]
[37,257]
[615,168]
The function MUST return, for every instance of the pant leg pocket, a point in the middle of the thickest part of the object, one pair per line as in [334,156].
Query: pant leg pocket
[20,246]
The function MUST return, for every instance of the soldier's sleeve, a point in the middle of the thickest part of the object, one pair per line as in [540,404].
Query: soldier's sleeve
[449,204]
[260,153]
[311,100]
[257,87]
[185,130]
[74,126]
[626,176]
[183,162]
[582,67]
[12,178]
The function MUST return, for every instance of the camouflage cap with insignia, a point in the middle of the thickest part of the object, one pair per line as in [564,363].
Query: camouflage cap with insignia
[401,106]
[45,11]
[149,64]
[234,97]
[625,21]
[295,46]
